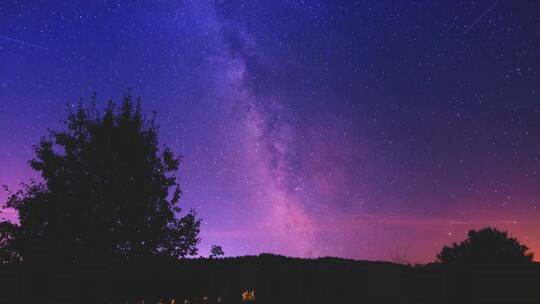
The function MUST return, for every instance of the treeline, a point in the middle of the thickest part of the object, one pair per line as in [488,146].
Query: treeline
[269,279]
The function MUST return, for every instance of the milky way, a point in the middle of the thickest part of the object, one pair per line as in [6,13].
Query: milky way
[365,129]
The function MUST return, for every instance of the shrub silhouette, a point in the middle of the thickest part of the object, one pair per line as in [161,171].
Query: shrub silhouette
[108,193]
[486,246]
[216,251]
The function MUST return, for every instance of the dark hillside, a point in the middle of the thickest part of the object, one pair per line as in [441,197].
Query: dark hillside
[269,279]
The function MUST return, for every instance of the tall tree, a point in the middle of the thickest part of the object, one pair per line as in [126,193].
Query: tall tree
[108,192]
[486,246]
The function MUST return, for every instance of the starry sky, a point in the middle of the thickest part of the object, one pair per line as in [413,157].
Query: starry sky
[358,129]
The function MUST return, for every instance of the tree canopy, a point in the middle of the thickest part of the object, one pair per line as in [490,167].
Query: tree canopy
[107,192]
[486,246]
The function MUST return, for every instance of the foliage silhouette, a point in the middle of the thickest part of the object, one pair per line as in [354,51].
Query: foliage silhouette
[486,246]
[216,251]
[108,193]
[273,279]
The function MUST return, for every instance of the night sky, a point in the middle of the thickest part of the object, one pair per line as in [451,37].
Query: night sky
[358,129]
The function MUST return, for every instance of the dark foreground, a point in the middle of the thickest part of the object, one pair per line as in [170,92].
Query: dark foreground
[268,279]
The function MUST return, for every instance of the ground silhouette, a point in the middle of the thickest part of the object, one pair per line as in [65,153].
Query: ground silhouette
[270,279]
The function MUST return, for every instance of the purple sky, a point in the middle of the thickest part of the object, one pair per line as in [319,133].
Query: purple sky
[355,129]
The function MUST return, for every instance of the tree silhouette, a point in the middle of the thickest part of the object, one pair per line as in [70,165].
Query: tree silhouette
[486,246]
[108,192]
[7,253]
[216,251]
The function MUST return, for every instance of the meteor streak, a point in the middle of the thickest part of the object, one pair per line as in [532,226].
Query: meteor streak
[478,19]
[37,46]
